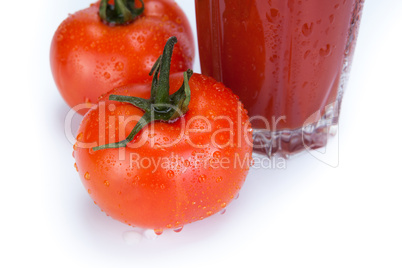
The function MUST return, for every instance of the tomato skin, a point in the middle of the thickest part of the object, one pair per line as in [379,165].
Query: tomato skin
[89,58]
[131,186]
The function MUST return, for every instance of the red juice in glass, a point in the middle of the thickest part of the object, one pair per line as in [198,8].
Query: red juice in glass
[287,60]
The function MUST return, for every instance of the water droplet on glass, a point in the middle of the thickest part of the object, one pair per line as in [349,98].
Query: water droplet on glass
[331,18]
[307,29]
[222,211]
[306,54]
[326,51]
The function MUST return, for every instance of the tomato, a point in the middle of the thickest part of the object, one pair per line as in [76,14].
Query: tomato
[89,57]
[173,172]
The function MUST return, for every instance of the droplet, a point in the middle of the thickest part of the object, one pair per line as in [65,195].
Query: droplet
[223,205]
[106,183]
[326,51]
[307,29]
[162,186]
[272,15]
[158,231]
[306,54]
[87,176]
[331,18]
[187,163]
[170,174]
[209,213]
[76,167]
[106,75]
[119,66]
[80,136]
[202,178]
[222,211]
[219,179]
[89,191]
[178,229]
[217,154]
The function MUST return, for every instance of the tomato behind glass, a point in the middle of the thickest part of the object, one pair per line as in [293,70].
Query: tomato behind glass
[90,57]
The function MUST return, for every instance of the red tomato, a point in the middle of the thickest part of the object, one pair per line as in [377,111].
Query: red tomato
[89,58]
[172,173]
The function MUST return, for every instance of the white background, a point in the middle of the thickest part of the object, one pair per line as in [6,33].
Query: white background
[310,214]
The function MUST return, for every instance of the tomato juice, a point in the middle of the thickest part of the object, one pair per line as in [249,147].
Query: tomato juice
[287,60]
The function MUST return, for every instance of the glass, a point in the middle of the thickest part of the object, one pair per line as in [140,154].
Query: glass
[287,60]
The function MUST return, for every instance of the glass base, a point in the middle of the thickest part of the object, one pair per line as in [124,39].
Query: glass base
[284,143]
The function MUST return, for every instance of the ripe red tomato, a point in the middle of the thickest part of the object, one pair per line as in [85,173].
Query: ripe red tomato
[171,173]
[89,58]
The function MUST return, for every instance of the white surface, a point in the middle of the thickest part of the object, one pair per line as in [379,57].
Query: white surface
[309,214]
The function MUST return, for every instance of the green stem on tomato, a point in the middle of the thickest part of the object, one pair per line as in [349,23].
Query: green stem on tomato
[161,106]
[122,12]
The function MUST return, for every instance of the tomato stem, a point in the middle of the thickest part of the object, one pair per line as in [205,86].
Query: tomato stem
[122,12]
[161,106]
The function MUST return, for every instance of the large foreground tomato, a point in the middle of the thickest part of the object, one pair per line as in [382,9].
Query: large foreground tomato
[171,173]
[89,57]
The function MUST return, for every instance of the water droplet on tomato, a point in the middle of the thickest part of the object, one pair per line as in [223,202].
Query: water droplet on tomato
[187,163]
[217,154]
[223,205]
[87,176]
[119,66]
[106,75]
[170,174]
[106,183]
[209,213]
[80,136]
[89,191]
[76,167]
[202,178]
[158,231]
[178,229]
[219,179]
